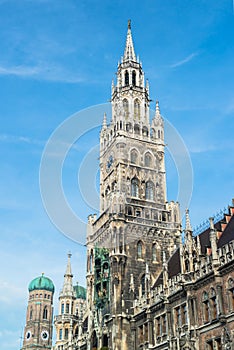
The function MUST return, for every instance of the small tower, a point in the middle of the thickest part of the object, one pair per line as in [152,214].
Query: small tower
[38,328]
[71,303]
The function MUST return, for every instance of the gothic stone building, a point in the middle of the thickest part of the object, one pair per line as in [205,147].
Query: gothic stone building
[146,289]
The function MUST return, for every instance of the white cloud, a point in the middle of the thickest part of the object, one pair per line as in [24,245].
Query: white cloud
[20,139]
[41,72]
[184,61]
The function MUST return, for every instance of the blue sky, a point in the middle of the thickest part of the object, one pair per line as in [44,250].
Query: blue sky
[58,57]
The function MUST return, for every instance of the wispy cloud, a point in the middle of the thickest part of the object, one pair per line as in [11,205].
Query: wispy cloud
[184,61]
[6,138]
[42,72]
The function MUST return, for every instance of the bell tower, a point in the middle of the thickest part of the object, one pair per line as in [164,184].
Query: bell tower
[38,328]
[136,222]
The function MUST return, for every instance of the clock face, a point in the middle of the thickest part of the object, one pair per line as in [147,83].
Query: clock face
[28,335]
[44,335]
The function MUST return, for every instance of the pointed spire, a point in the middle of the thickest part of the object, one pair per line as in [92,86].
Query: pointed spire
[157,109]
[68,269]
[104,123]
[67,283]
[187,221]
[129,53]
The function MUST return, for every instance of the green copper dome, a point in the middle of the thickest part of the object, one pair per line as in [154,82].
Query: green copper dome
[80,292]
[41,282]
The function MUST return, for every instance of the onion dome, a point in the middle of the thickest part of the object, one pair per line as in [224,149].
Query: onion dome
[42,283]
[80,292]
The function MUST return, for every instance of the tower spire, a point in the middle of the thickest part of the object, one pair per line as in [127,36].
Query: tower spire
[68,283]
[129,52]
[187,221]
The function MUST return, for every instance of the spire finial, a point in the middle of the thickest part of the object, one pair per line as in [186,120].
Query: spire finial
[68,269]
[157,108]
[187,221]
[129,53]
[104,123]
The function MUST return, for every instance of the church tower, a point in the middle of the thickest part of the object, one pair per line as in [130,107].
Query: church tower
[38,329]
[71,304]
[136,223]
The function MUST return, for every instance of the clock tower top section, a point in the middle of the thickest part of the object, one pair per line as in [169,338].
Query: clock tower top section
[130,96]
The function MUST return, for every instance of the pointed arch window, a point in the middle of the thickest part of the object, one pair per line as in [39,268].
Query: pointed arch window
[139,250]
[45,313]
[213,302]
[135,188]
[149,191]
[31,314]
[137,109]
[154,252]
[126,108]
[134,78]
[206,307]
[134,157]
[126,78]
[67,308]
[148,160]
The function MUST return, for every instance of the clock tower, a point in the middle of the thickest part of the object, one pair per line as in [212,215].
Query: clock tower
[38,328]
[136,223]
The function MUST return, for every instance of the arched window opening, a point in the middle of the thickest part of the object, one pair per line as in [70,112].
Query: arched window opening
[186,263]
[148,160]
[128,127]
[149,191]
[136,129]
[143,285]
[45,313]
[213,302]
[66,333]
[130,211]
[62,308]
[67,308]
[135,188]
[60,334]
[126,108]
[145,131]
[134,78]
[31,314]
[137,112]
[152,133]
[126,78]
[154,252]
[139,250]
[159,134]
[206,307]
[134,157]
